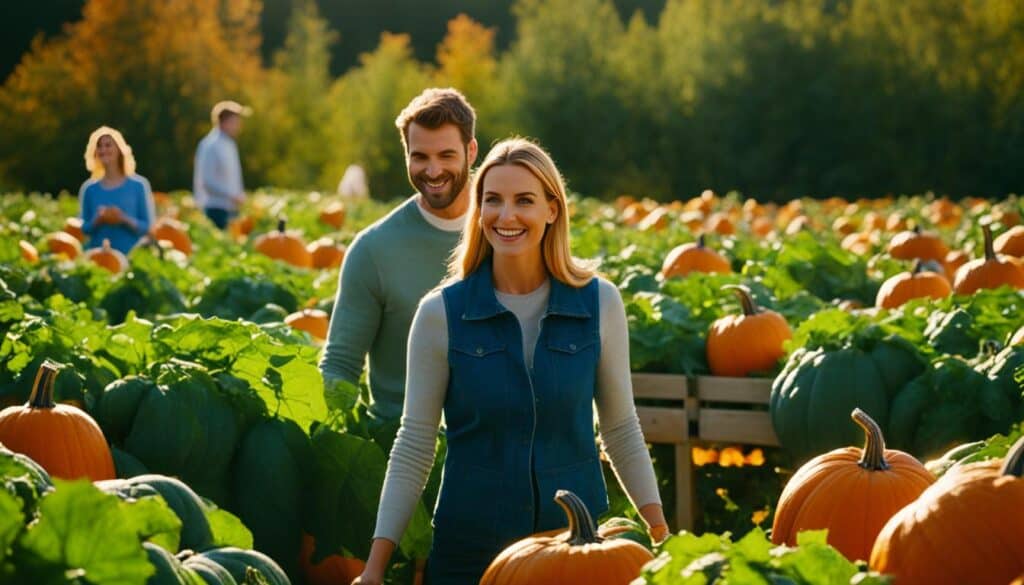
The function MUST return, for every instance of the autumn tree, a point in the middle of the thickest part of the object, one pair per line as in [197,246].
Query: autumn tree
[364,105]
[127,65]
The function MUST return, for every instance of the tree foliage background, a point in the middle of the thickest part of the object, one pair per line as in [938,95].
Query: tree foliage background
[776,99]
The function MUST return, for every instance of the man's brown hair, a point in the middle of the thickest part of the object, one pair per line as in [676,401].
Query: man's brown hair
[434,108]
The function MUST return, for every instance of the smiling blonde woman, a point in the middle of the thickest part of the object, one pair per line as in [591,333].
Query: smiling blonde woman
[115,203]
[515,350]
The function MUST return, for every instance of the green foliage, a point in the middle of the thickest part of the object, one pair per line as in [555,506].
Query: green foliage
[687,559]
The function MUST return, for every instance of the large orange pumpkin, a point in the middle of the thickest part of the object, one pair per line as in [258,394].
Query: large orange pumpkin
[64,243]
[333,215]
[750,342]
[581,556]
[992,271]
[851,492]
[280,245]
[332,570]
[325,253]
[966,528]
[312,321]
[62,438]
[241,226]
[915,244]
[1010,242]
[953,261]
[694,257]
[174,232]
[108,258]
[915,284]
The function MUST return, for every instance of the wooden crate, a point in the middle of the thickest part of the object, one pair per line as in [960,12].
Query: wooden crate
[721,410]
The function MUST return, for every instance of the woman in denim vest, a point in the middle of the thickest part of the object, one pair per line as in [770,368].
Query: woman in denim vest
[515,349]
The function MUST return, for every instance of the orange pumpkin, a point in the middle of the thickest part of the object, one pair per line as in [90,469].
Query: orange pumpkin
[751,342]
[280,245]
[865,487]
[761,226]
[581,556]
[844,225]
[693,257]
[916,284]
[953,261]
[656,220]
[62,438]
[860,243]
[1010,242]
[28,252]
[333,215]
[873,221]
[719,223]
[174,232]
[312,321]
[915,244]
[241,226]
[108,258]
[896,222]
[965,528]
[326,254]
[991,271]
[332,570]
[64,243]
[73,226]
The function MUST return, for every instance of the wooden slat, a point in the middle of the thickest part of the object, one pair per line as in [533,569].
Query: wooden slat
[740,390]
[659,386]
[685,493]
[663,425]
[751,427]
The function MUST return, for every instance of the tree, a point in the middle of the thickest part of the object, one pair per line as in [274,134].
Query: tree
[285,143]
[365,102]
[127,65]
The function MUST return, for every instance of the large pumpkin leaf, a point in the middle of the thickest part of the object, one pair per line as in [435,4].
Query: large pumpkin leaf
[348,476]
[85,531]
[227,528]
[153,520]
[11,523]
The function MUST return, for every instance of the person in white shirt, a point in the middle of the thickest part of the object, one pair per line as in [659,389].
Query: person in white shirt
[217,176]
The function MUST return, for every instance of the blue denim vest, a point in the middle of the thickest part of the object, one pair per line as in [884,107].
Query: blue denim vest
[515,436]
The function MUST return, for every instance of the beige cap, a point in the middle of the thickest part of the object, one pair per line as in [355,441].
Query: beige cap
[228,106]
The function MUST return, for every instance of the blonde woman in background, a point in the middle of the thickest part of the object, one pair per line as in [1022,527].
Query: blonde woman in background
[515,349]
[115,203]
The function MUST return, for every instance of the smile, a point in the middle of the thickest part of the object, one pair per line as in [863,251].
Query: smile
[436,184]
[507,233]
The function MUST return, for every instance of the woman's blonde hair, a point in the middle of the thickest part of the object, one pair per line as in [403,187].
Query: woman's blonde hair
[94,166]
[474,248]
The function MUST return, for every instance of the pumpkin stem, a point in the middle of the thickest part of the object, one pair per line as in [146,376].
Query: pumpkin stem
[990,252]
[918,267]
[582,529]
[746,299]
[42,388]
[1014,462]
[873,458]
[106,245]
[281,221]
[700,241]
[917,229]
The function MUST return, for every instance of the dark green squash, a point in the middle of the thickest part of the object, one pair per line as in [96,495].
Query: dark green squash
[270,475]
[169,571]
[236,560]
[819,387]
[118,404]
[195,529]
[209,570]
[126,464]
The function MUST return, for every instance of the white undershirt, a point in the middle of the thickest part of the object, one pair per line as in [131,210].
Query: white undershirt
[445,225]
[427,375]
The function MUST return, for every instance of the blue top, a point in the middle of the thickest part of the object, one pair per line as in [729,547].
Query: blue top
[135,199]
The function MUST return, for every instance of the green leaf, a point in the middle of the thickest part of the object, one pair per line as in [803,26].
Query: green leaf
[11,522]
[418,536]
[81,528]
[227,529]
[153,520]
[348,476]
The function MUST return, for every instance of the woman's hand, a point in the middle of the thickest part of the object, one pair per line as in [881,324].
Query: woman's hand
[657,527]
[376,563]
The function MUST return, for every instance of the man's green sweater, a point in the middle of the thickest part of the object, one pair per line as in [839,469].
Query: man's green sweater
[388,268]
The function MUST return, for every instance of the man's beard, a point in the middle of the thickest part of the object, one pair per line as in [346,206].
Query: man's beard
[445,198]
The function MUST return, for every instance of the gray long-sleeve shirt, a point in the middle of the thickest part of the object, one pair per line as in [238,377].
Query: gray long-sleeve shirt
[217,175]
